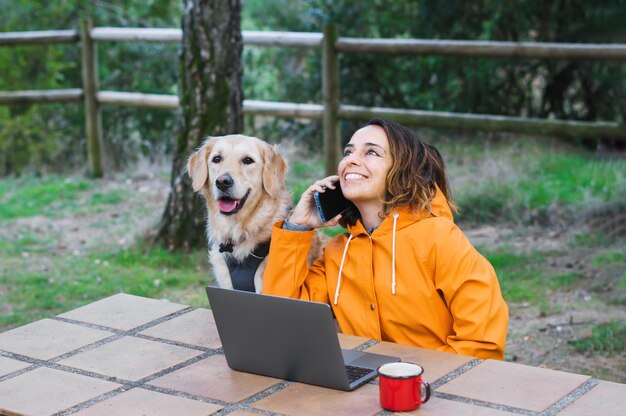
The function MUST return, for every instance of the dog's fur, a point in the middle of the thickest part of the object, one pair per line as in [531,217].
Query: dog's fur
[248,176]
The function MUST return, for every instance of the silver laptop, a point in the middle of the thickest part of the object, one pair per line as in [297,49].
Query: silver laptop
[288,339]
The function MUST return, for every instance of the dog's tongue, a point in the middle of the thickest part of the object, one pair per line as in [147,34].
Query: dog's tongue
[227,205]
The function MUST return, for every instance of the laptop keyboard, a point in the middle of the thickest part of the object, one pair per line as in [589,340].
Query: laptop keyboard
[355,373]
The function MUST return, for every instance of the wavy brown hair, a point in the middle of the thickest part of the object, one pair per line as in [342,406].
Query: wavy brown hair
[417,170]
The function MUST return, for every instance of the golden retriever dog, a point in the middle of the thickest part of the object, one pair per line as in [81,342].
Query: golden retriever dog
[242,179]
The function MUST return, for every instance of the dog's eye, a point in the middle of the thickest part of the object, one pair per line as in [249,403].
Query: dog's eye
[216,159]
[247,160]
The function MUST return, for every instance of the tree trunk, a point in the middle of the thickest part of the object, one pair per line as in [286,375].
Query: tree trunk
[211,101]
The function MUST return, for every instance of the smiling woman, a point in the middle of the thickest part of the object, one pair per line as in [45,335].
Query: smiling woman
[404,272]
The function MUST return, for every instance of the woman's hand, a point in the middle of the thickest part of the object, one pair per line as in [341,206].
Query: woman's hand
[306,213]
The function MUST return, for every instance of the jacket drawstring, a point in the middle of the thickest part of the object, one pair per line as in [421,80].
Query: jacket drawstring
[343,258]
[393,260]
[393,254]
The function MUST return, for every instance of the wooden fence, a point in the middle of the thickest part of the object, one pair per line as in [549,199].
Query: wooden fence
[331,110]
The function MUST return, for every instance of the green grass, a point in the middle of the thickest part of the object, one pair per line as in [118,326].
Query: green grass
[546,185]
[38,280]
[23,240]
[564,280]
[611,263]
[76,280]
[116,197]
[606,338]
[524,277]
[54,197]
[572,179]
[593,239]
[27,197]
[610,257]
[520,275]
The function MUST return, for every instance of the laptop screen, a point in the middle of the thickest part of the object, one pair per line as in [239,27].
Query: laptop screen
[281,337]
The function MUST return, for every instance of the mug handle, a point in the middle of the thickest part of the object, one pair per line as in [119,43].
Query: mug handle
[427,388]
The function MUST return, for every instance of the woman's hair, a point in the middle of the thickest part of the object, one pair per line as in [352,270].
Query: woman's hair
[417,170]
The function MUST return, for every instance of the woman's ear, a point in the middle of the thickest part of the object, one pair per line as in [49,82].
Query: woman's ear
[274,171]
[197,167]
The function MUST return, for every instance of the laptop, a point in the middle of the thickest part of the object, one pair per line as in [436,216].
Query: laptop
[288,339]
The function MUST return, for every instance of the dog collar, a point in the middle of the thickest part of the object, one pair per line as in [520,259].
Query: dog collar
[242,273]
[226,248]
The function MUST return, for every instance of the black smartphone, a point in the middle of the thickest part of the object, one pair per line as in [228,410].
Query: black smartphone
[331,203]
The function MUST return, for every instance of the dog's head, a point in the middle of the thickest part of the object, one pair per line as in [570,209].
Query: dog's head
[236,171]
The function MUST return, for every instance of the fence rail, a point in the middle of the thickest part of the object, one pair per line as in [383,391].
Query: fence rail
[43,37]
[133,99]
[331,110]
[483,48]
[250,37]
[41,96]
[443,119]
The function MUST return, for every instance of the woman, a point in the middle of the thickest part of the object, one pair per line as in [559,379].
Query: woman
[405,272]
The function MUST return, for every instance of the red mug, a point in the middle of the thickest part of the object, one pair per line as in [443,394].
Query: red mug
[401,386]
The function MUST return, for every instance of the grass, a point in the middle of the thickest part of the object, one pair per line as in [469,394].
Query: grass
[519,274]
[610,257]
[53,197]
[38,279]
[24,241]
[605,338]
[536,184]
[613,264]
[565,280]
[524,278]
[66,283]
[27,197]
[591,239]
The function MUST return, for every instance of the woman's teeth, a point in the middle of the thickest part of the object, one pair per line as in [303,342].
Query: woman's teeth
[353,176]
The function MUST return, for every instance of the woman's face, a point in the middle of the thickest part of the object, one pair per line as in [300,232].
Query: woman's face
[364,167]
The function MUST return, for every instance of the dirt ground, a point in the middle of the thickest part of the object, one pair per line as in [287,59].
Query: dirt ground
[533,338]
[540,339]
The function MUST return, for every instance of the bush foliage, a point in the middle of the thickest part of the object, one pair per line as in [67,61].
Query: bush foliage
[51,137]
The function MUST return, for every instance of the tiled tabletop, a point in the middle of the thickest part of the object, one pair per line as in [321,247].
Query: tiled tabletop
[128,355]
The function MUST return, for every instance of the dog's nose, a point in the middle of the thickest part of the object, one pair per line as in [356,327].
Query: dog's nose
[223,182]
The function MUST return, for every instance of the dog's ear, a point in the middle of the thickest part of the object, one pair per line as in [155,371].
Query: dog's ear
[274,170]
[197,166]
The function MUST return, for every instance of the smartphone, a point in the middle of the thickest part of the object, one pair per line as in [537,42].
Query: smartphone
[331,203]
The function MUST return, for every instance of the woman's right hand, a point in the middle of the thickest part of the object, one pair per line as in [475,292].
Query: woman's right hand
[306,213]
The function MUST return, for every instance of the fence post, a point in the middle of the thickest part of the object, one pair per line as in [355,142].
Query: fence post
[93,118]
[330,93]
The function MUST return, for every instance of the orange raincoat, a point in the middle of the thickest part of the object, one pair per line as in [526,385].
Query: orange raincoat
[416,280]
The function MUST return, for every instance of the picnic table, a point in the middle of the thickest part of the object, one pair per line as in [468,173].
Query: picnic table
[127,355]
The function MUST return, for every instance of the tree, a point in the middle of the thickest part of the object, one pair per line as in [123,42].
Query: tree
[211,99]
